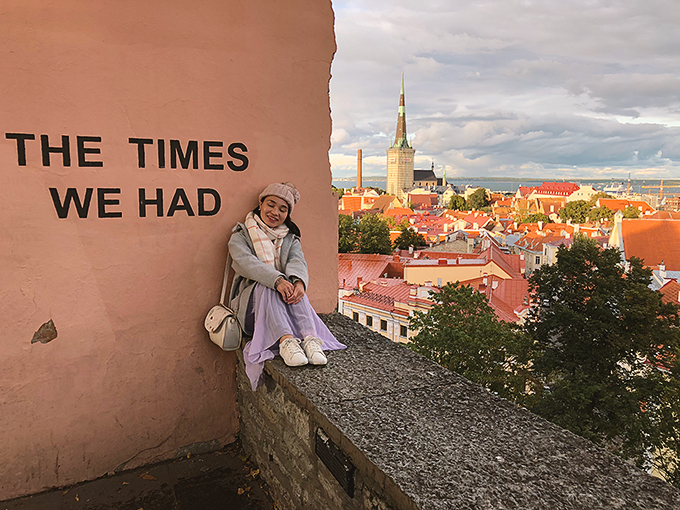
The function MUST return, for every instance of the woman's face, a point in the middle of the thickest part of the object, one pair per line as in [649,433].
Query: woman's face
[273,211]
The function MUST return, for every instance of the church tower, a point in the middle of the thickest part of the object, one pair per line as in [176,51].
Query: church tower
[400,156]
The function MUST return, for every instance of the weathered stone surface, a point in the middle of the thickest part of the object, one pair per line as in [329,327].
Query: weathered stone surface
[423,437]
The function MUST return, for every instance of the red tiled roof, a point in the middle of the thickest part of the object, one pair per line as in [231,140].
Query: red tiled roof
[368,299]
[670,293]
[392,287]
[511,264]
[557,188]
[429,199]
[352,266]
[653,241]
[525,191]
[506,298]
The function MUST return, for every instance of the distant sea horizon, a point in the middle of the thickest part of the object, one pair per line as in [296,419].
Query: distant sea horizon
[511,184]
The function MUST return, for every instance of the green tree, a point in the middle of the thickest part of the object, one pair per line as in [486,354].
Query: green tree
[535,218]
[457,203]
[600,194]
[374,235]
[338,191]
[477,200]
[348,234]
[462,333]
[408,238]
[576,211]
[631,212]
[607,353]
[600,213]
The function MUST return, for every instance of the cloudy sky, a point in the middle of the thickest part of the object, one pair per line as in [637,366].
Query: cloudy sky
[533,88]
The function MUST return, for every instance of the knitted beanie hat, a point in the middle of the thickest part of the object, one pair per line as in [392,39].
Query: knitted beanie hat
[285,191]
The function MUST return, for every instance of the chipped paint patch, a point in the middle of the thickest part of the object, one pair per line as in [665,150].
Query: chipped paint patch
[46,333]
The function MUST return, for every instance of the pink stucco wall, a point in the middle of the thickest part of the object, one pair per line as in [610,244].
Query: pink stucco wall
[131,377]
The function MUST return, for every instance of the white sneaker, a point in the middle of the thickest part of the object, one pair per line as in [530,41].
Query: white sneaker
[312,347]
[291,352]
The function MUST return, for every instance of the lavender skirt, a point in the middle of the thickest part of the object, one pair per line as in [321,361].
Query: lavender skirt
[269,318]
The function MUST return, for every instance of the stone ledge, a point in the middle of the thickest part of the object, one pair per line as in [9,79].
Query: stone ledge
[423,437]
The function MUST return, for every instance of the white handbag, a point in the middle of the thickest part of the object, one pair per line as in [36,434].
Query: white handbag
[221,322]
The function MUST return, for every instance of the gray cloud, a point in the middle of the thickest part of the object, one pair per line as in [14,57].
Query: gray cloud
[576,88]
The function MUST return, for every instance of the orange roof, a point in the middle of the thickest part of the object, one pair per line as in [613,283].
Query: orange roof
[653,241]
[665,215]
[399,211]
[480,219]
[350,203]
[509,297]
[614,204]
[670,293]
[642,206]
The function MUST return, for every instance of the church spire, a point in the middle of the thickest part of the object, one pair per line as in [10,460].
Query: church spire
[400,140]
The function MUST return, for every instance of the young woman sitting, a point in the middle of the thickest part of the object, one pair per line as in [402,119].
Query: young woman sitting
[269,289]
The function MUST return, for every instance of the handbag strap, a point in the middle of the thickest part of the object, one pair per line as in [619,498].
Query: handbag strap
[226,278]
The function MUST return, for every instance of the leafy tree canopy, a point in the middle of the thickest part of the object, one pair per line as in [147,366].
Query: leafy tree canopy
[477,200]
[607,353]
[408,238]
[576,211]
[535,218]
[374,235]
[600,194]
[457,203]
[348,234]
[338,191]
[600,213]
[462,333]
[631,212]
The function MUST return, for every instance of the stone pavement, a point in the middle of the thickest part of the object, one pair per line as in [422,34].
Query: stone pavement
[213,481]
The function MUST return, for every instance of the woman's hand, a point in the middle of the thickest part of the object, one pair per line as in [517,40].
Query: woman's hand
[285,288]
[298,293]
[291,294]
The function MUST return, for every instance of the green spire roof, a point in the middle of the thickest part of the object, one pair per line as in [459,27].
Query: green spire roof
[400,140]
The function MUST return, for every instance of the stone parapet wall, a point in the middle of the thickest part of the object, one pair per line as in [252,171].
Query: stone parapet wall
[279,429]
[419,436]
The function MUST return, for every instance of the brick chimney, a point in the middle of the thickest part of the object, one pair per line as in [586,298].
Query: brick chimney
[359,165]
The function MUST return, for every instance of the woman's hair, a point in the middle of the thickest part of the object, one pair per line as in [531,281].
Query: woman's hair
[287,222]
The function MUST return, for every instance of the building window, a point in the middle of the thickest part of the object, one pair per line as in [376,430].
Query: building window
[369,320]
[538,259]
[355,316]
[403,331]
[383,325]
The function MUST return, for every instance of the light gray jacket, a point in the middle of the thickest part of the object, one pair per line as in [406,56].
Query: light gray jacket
[251,270]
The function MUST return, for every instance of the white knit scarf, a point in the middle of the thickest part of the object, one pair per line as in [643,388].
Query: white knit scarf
[267,240]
